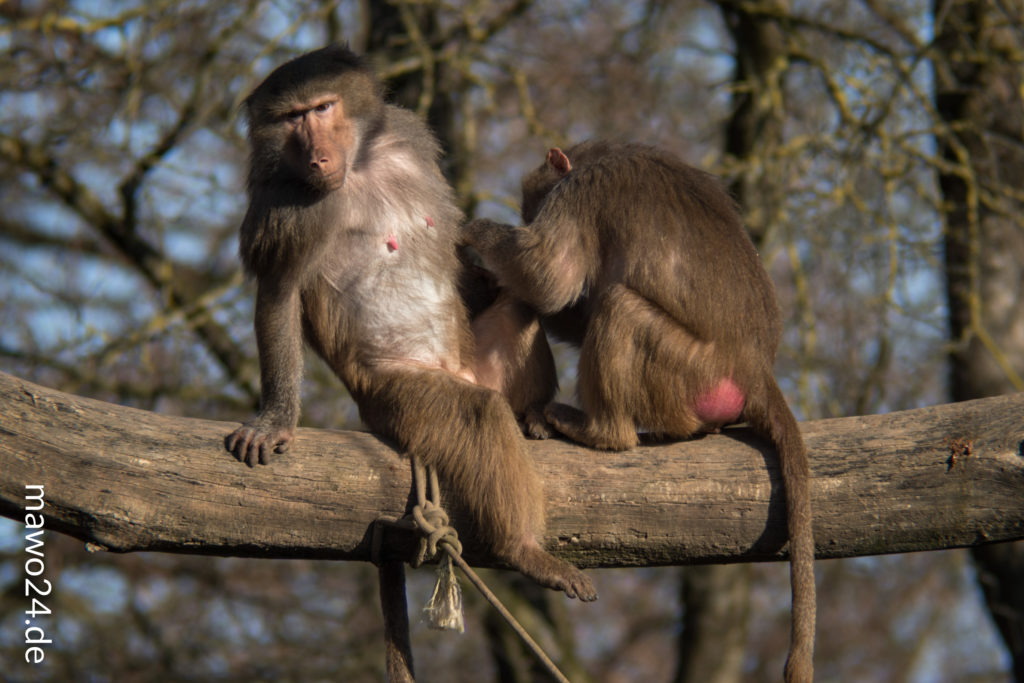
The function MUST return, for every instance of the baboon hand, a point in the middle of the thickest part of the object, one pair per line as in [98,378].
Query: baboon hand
[255,440]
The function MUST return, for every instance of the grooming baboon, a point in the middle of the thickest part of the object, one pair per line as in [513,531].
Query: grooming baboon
[642,262]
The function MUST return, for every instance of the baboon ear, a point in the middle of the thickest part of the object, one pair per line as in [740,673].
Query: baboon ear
[558,161]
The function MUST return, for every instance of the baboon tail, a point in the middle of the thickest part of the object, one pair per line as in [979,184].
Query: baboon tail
[776,422]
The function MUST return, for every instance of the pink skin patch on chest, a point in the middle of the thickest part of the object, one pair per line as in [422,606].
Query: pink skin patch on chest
[721,405]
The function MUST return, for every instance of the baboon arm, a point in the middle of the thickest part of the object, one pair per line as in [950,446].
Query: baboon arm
[544,265]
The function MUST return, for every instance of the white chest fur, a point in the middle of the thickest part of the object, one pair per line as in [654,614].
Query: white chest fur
[394,287]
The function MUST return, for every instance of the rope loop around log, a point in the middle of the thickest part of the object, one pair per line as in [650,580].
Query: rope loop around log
[430,519]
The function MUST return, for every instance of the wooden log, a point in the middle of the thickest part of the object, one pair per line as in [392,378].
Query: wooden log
[130,480]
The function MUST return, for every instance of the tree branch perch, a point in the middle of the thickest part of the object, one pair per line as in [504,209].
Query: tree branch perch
[130,480]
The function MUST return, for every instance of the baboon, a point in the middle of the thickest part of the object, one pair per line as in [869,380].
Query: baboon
[642,261]
[351,235]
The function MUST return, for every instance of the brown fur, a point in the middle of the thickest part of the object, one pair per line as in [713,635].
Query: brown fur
[643,262]
[513,358]
[351,233]
[512,353]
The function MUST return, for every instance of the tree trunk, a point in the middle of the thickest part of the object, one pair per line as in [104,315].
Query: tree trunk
[978,76]
[754,130]
[713,641]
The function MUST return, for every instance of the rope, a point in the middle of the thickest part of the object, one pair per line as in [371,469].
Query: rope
[444,609]
[430,517]
[512,621]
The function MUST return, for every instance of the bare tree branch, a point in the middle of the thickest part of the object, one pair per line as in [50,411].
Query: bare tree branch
[182,284]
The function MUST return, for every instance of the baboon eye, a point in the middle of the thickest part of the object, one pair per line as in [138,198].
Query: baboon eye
[322,107]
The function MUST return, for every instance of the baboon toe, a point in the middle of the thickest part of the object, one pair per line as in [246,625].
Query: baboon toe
[553,573]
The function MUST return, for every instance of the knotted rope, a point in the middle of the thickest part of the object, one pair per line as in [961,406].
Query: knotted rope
[444,609]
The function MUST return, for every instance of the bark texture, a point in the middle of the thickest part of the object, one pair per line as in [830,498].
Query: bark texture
[130,480]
